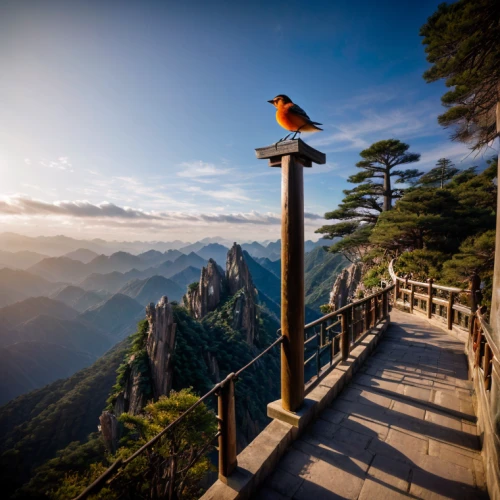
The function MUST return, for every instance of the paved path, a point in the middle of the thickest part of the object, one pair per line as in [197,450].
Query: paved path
[405,426]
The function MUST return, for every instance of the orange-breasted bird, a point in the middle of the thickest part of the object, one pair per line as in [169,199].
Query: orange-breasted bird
[292,117]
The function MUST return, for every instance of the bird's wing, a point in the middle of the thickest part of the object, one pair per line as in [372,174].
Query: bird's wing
[299,111]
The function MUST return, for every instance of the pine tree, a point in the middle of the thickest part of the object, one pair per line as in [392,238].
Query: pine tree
[440,174]
[362,205]
[462,45]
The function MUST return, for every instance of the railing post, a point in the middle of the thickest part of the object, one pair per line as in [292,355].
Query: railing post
[429,300]
[450,311]
[367,315]
[488,356]
[292,157]
[396,291]
[412,296]
[345,335]
[227,429]
[475,286]
[385,304]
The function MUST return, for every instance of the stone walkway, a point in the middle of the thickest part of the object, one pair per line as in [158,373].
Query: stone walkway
[404,427]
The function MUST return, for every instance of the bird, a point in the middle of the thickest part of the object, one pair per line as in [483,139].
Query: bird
[292,117]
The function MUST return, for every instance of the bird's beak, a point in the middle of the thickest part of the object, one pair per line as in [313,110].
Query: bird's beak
[271,101]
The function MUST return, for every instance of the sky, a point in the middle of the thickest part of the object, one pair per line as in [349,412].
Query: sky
[138,120]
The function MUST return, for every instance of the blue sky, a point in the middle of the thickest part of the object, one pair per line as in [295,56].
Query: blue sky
[139,119]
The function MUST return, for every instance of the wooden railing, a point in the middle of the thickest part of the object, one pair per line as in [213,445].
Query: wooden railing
[330,336]
[226,433]
[459,309]
[329,339]
[451,305]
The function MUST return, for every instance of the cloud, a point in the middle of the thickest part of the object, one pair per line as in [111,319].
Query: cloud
[456,151]
[106,213]
[62,163]
[19,205]
[195,169]
[356,135]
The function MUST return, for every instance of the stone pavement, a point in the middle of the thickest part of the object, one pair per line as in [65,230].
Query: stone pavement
[404,427]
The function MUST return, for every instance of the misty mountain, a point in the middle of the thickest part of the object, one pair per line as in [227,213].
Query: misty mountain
[184,261]
[255,249]
[118,261]
[117,317]
[20,260]
[153,258]
[152,289]
[29,365]
[271,265]
[186,277]
[72,334]
[213,251]
[82,254]
[20,312]
[60,269]
[192,247]
[17,285]
[55,246]
[78,298]
[321,270]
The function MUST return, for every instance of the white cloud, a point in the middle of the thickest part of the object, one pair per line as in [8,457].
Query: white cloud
[195,169]
[357,135]
[106,213]
[62,163]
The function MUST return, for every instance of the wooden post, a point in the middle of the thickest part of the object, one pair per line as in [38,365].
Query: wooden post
[487,367]
[292,156]
[396,292]
[475,286]
[227,429]
[385,305]
[345,335]
[367,315]
[450,311]
[412,296]
[429,300]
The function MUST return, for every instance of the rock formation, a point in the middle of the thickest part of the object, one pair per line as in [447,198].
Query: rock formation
[345,286]
[209,292]
[160,345]
[214,286]
[110,430]
[239,280]
[159,349]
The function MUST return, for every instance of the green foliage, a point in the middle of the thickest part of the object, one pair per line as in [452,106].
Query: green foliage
[462,45]
[321,270]
[172,468]
[476,254]
[374,276]
[362,205]
[193,286]
[36,425]
[421,264]
[136,357]
[444,171]
[440,219]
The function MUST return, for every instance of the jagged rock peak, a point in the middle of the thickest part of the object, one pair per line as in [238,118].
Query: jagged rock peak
[237,273]
[238,278]
[160,345]
[345,286]
[208,294]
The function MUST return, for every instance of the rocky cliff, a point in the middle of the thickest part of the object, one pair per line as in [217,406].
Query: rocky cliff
[345,286]
[206,296]
[214,286]
[148,371]
[160,345]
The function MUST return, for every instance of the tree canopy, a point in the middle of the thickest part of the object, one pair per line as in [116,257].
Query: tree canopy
[440,174]
[373,195]
[461,42]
